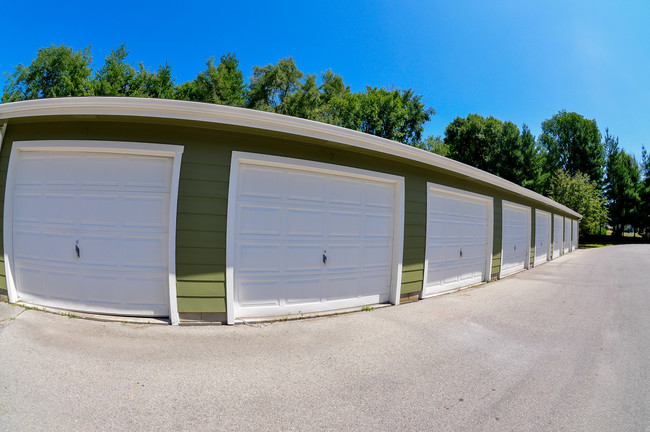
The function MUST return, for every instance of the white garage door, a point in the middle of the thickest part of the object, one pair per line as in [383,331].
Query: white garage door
[307,241]
[515,249]
[567,235]
[90,231]
[575,234]
[458,248]
[557,236]
[542,237]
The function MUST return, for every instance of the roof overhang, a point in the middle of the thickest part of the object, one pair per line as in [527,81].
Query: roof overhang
[247,118]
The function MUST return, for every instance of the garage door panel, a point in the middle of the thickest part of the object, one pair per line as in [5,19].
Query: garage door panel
[340,288]
[114,208]
[63,284]
[378,226]
[346,192]
[305,187]
[515,243]
[343,257]
[457,221]
[24,205]
[145,290]
[259,292]
[437,229]
[376,256]
[257,182]
[32,279]
[350,220]
[148,212]
[143,252]
[28,245]
[256,220]
[101,172]
[344,224]
[558,236]
[472,252]
[60,171]
[542,236]
[256,258]
[105,286]
[31,173]
[567,235]
[454,228]
[304,222]
[59,209]
[57,247]
[379,195]
[145,173]
[99,210]
[304,257]
[302,291]
[436,253]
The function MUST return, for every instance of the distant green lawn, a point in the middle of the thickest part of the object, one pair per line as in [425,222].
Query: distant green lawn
[594,241]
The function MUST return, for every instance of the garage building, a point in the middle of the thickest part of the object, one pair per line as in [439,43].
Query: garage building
[191,211]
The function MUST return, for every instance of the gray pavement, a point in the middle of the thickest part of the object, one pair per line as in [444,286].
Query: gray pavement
[564,346]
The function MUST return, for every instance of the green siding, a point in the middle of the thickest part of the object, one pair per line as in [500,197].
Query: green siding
[203,191]
[532,238]
[497,239]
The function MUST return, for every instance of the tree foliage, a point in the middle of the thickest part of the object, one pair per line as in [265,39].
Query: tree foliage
[496,147]
[582,195]
[573,143]
[644,193]
[116,77]
[622,186]
[221,84]
[397,115]
[57,71]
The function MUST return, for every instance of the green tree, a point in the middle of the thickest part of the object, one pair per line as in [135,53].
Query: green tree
[582,195]
[55,72]
[434,144]
[644,193]
[221,84]
[473,140]
[496,147]
[533,175]
[274,87]
[332,92]
[159,85]
[305,101]
[573,143]
[508,157]
[115,77]
[397,115]
[622,186]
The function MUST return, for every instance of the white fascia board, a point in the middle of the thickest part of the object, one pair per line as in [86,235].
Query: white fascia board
[89,107]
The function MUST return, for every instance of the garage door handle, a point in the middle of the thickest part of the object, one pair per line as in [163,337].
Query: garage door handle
[76,248]
[324,258]
[461,252]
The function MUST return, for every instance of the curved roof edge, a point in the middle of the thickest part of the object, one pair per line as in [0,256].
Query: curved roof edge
[222,114]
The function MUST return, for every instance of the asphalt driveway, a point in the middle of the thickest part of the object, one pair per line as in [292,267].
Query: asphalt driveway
[565,346]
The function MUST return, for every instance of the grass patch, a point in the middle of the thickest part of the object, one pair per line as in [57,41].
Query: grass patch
[596,241]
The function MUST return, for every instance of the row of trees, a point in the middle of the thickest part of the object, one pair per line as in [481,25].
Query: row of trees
[570,161]
[59,71]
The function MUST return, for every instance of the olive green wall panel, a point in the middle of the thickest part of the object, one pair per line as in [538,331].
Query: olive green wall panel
[201,304]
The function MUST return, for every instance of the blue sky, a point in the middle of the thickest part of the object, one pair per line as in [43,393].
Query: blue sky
[521,61]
